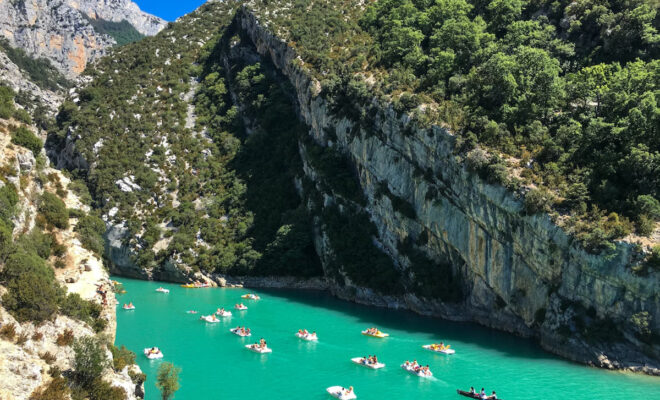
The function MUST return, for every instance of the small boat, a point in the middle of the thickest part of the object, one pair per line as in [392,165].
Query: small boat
[223,313]
[361,361]
[310,337]
[468,394]
[250,296]
[240,307]
[418,372]
[153,353]
[341,393]
[237,331]
[378,334]
[210,318]
[438,349]
[191,312]
[128,307]
[196,285]
[163,290]
[257,349]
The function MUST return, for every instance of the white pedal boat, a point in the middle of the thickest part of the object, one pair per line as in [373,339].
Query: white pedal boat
[257,349]
[417,373]
[446,350]
[163,290]
[340,393]
[250,296]
[210,319]
[308,337]
[359,361]
[153,355]
[223,313]
[127,307]
[238,332]
[240,307]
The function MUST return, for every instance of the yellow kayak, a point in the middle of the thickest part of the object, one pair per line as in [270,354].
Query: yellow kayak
[378,334]
[188,285]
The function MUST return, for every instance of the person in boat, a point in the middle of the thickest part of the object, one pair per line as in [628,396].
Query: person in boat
[472,390]
[482,394]
[375,360]
[247,331]
[493,396]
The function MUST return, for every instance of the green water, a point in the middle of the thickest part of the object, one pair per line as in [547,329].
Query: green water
[217,366]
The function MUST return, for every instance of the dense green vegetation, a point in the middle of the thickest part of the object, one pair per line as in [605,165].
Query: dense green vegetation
[123,32]
[22,136]
[575,102]
[39,70]
[8,108]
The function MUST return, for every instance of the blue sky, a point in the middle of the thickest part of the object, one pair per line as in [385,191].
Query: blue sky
[169,9]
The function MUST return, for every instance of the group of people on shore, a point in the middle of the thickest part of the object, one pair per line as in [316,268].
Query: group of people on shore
[482,394]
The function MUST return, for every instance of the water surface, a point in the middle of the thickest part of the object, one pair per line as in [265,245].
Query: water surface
[215,364]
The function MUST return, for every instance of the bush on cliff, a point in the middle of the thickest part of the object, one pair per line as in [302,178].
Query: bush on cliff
[54,210]
[22,136]
[90,229]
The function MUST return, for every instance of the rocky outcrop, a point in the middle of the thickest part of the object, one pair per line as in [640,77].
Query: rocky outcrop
[517,273]
[58,31]
[11,75]
[23,364]
[119,10]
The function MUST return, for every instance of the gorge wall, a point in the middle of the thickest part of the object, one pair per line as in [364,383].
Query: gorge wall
[58,30]
[517,273]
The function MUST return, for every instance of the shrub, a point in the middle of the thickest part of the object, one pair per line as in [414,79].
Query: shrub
[31,297]
[54,210]
[167,380]
[48,357]
[102,390]
[57,389]
[538,201]
[22,338]
[121,357]
[654,259]
[641,325]
[89,361]
[90,231]
[65,338]
[84,310]
[8,331]
[649,206]
[22,136]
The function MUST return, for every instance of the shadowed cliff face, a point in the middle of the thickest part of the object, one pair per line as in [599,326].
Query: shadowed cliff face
[517,273]
[58,30]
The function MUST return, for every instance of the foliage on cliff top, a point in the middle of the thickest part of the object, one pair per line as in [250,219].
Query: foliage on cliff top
[123,32]
[568,88]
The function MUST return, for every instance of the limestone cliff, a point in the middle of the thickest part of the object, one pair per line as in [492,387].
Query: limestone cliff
[24,357]
[58,30]
[517,273]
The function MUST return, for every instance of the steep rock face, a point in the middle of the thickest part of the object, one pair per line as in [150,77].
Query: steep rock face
[22,369]
[518,273]
[118,10]
[57,30]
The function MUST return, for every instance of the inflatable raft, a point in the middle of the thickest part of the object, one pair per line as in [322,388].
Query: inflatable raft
[250,296]
[224,313]
[419,373]
[240,307]
[238,332]
[162,290]
[128,307]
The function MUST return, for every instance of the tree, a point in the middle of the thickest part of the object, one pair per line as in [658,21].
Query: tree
[167,380]
[90,360]
[54,210]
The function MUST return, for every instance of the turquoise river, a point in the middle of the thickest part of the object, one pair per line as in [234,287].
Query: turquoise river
[216,365]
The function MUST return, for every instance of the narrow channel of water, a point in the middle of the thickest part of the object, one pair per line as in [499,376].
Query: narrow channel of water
[216,364]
